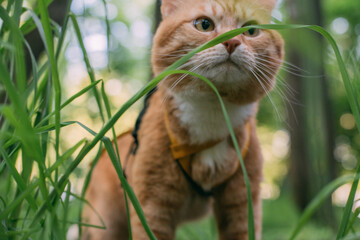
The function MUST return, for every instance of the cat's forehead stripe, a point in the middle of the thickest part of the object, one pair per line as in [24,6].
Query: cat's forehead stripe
[214,9]
[203,8]
[210,8]
[243,9]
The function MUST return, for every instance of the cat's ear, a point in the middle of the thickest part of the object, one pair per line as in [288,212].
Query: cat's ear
[169,6]
[270,4]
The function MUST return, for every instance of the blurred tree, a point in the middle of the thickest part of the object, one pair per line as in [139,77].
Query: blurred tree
[312,163]
[312,160]
[157,14]
[57,11]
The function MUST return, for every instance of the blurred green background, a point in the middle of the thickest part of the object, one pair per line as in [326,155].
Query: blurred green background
[307,131]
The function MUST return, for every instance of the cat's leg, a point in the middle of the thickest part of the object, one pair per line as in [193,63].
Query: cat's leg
[106,198]
[160,220]
[162,196]
[230,206]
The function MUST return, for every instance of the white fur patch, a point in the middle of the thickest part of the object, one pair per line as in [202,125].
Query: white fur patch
[213,161]
[201,114]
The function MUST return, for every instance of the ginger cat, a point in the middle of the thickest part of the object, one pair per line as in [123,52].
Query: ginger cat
[185,164]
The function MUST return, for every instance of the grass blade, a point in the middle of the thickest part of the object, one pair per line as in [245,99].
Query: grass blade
[21,122]
[108,111]
[87,182]
[45,20]
[16,37]
[317,201]
[72,98]
[107,32]
[355,236]
[15,174]
[347,211]
[63,30]
[87,62]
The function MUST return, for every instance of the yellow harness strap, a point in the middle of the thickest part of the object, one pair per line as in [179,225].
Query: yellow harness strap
[184,152]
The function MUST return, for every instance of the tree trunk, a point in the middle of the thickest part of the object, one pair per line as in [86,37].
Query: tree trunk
[312,164]
[57,12]
[157,14]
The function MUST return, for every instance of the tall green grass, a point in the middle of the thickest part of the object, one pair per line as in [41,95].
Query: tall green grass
[39,206]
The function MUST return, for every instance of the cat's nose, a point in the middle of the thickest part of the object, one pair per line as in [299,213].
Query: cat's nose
[231,45]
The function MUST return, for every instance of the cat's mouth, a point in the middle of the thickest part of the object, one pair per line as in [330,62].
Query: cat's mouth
[229,61]
[229,64]
[225,62]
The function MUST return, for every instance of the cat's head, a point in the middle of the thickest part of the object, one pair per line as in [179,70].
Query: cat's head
[243,68]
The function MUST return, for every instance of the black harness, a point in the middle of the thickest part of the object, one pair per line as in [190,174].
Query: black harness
[134,133]
[135,145]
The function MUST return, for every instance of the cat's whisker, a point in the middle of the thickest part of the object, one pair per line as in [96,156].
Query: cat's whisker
[290,91]
[279,60]
[286,69]
[258,78]
[181,50]
[289,94]
[268,80]
[171,53]
[168,57]
[180,53]
[283,95]
[184,75]
[265,76]
[177,54]
[271,71]
[180,79]
[271,60]
[266,70]
[188,63]
[287,66]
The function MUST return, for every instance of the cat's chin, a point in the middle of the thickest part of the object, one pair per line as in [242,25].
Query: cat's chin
[229,65]
[227,72]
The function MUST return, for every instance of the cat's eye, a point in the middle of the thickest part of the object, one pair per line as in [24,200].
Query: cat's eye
[252,32]
[204,24]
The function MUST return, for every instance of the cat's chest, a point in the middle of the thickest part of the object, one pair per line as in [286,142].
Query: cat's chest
[214,165]
[203,119]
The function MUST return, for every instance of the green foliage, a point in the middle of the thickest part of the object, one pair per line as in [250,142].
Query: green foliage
[317,201]
[348,9]
[36,198]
